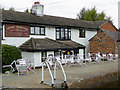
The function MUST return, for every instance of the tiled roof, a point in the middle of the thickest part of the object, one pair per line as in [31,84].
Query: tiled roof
[36,44]
[23,17]
[99,23]
[113,34]
[73,44]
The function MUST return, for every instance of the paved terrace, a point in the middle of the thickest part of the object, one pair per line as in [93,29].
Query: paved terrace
[74,74]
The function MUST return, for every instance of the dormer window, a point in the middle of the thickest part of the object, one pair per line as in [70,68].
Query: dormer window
[37,31]
[63,34]
[82,33]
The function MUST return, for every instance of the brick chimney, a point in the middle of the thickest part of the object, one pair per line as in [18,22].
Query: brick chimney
[37,9]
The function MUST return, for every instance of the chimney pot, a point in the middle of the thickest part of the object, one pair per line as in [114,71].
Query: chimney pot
[36,3]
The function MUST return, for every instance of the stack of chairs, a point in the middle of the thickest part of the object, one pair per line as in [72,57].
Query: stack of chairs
[21,66]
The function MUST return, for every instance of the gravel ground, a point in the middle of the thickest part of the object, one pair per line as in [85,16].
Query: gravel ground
[74,74]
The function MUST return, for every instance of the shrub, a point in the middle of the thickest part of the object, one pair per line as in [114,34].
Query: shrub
[9,54]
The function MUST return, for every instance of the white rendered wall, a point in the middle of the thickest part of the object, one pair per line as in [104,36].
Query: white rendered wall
[37,59]
[50,32]
[50,52]
[83,41]
[29,55]
[81,52]
[17,41]
[34,57]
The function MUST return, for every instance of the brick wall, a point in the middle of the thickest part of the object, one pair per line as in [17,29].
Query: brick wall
[108,26]
[102,43]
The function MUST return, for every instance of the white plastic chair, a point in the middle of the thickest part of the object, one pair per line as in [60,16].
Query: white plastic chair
[81,60]
[71,60]
[110,57]
[94,57]
[89,58]
[29,65]
[104,56]
[11,66]
[67,59]
[99,57]
[21,66]
[116,57]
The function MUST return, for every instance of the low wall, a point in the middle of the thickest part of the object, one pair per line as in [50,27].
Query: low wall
[96,82]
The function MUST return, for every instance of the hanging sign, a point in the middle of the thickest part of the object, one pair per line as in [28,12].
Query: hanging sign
[13,30]
[68,52]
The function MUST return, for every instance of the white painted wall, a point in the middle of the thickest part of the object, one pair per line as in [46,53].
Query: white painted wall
[37,59]
[29,55]
[50,33]
[17,41]
[83,41]
[34,57]
[81,52]
[50,52]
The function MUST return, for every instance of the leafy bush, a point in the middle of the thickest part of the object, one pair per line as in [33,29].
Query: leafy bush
[9,54]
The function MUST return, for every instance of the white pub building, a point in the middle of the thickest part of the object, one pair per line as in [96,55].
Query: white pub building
[39,35]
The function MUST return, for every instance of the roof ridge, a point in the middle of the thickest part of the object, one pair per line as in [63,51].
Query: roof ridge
[49,16]
[25,42]
[17,16]
[66,18]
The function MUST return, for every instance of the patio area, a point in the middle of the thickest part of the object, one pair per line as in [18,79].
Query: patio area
[74,74]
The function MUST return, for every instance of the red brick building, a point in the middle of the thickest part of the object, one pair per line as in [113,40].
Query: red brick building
[106,25]
[105,42]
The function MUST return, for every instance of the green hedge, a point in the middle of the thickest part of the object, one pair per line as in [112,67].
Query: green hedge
[9,54]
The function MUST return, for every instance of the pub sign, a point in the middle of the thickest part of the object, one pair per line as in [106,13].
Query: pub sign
[13,30]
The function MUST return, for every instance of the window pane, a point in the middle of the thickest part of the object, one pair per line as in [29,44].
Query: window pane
[32,30]
[82,33]
[66,33]
[42,30]
[69,35]
[62,33]
[58,35]
[57,29]
[37,30]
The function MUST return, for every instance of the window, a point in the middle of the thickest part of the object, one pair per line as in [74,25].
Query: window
[82,33]
[44,56]
[37,30]
[32,30]
[63,34]
[42,31]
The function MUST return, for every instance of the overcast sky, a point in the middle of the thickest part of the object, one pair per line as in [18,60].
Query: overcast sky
[66,8]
